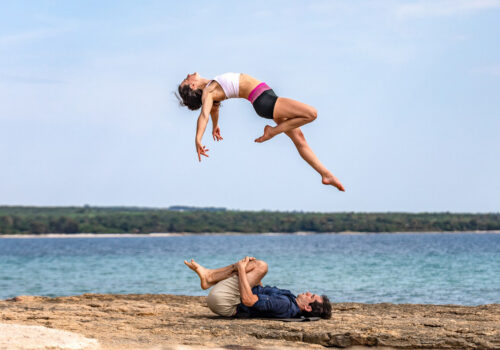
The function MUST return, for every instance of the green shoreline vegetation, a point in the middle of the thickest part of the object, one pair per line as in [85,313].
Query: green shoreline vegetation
[179,219]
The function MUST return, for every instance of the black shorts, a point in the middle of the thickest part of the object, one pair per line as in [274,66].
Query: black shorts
[264,104]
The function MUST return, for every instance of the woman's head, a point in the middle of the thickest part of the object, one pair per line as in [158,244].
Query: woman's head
[190,91]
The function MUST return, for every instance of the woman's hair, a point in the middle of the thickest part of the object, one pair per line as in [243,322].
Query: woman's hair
[189,97]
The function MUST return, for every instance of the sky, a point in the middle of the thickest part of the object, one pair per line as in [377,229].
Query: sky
[407,93]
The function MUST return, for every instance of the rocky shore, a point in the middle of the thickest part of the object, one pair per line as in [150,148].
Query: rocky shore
[160,321]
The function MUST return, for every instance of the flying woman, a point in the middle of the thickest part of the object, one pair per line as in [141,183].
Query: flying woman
[289,115]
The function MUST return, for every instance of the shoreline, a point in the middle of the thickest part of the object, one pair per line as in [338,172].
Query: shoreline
[182,234]
[140,321]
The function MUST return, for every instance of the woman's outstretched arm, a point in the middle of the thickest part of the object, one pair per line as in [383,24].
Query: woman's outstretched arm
[207,102]
[214,113]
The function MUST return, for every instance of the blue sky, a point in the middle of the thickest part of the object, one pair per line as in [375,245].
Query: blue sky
[408,95]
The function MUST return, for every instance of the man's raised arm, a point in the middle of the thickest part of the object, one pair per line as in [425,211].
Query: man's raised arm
[247,297]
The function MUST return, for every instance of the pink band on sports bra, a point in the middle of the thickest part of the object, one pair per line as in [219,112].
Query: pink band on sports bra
[259,89]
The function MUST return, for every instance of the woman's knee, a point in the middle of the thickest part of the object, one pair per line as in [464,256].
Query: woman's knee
[312,114]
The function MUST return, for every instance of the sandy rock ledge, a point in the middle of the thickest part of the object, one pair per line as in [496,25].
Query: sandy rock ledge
[179,322]
[20,337]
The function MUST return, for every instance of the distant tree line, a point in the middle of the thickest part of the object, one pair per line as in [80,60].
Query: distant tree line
[39,220]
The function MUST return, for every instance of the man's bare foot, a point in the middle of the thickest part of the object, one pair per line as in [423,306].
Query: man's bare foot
[330,179]
[268,134]
[202,272]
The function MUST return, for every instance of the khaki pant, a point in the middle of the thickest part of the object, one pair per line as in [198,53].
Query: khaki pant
[224,297]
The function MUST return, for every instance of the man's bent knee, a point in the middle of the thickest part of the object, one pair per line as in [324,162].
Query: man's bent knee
[261,265]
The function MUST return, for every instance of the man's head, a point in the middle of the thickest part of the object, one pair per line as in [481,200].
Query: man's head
[314,305]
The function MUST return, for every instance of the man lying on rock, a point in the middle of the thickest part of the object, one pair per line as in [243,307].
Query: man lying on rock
[238,292]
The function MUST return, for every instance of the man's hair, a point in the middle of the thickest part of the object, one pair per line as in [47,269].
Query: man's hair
[323,310]
[189,97]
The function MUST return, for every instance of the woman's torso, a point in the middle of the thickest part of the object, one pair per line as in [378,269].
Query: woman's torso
[246,84]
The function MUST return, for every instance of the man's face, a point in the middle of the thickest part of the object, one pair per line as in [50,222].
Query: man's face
[307,298]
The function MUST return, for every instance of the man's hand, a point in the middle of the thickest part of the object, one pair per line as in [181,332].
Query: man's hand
[201,150]
[216,134]
[247,297]
[242,264]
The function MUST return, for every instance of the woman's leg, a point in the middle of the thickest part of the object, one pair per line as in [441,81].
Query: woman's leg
[288,114]
[308,155]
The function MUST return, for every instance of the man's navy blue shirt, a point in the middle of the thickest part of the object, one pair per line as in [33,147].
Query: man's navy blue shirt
[273,302]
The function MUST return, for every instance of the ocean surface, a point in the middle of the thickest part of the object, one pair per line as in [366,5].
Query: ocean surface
[370,268]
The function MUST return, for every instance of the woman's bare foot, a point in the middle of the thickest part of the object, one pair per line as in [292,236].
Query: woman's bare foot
[202,273]
[330,179]
[268,134]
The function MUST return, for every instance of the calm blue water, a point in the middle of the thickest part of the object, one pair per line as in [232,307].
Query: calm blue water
[398,268]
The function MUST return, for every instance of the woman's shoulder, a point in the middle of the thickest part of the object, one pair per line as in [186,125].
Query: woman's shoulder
[213,88]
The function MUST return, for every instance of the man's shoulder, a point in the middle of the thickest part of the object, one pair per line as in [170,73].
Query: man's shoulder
[277,305]
[276,290]
[271,305]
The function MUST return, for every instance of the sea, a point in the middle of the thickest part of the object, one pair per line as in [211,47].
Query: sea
[451,268]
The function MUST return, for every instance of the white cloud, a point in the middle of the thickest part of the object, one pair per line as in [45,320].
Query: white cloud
[439,8]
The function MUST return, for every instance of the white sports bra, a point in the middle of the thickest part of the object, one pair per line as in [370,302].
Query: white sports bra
[230,83]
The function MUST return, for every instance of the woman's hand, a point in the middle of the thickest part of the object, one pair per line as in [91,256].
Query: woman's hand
[201,150]
[216,134]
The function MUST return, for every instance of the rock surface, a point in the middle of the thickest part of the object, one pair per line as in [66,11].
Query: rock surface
[20,337]
[158,321]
